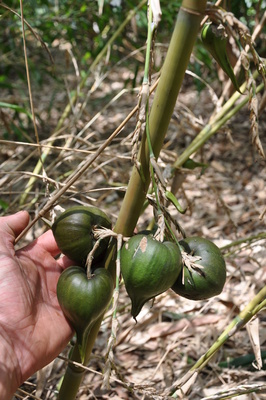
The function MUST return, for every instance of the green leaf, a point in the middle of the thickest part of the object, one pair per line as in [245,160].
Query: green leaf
[214,41]
[191,164]
[3,204]
[16,108]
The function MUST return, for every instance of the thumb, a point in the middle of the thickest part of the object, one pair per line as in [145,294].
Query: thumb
[12,225]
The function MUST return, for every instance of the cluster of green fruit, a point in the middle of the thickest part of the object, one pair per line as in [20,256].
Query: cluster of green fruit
[82,299]
[149,267]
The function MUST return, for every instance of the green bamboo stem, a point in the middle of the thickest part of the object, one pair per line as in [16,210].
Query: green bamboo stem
[173,71]
[252,308]
[73,100]
[247,241]
[146,106]
[184,36]
[148,48]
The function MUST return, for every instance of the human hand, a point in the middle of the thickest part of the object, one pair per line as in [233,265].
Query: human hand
[33,329]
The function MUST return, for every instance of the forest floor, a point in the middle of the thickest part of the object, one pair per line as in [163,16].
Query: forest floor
[225,204]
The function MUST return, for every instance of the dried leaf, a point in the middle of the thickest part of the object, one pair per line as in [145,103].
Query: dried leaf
[254,128]
[156,11]
[253,332]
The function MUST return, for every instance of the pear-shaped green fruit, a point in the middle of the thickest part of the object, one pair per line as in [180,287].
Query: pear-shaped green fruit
[204,276]
[83,300]
[73,232]
[148,268]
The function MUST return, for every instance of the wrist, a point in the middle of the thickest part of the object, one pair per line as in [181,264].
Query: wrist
[9,367]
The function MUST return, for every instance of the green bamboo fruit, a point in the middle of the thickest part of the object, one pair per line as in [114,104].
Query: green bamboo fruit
[215,42]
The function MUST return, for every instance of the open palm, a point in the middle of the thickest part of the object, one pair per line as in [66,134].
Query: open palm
[31,320]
